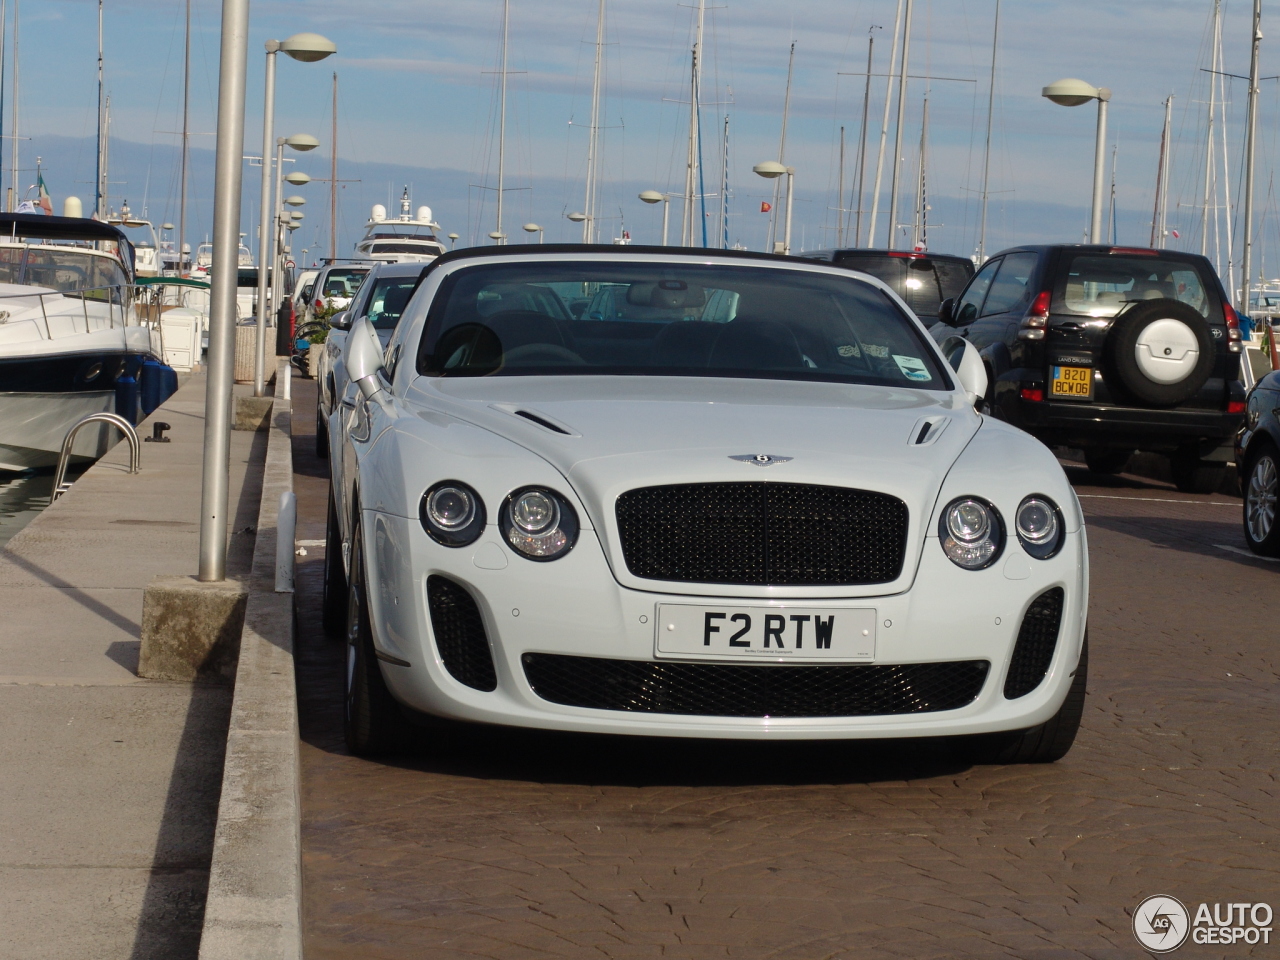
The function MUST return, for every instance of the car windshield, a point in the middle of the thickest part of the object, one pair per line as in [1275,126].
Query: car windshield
[387,300]
[343,283]
[1101,286]
[672,319]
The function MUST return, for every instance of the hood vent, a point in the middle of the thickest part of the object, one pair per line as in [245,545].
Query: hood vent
[927,430]
[543,422]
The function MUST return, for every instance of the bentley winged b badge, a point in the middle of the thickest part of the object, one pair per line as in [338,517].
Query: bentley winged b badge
[761,459]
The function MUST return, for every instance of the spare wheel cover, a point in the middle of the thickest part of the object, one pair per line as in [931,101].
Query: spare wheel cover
[1167,351]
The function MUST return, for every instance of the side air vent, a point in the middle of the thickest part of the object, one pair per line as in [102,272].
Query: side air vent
[543,422]
[1037,639]
[460,636]
[926,430]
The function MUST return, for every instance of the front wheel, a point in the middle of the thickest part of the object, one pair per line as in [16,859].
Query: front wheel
[333,605]
[1046,743]
[1261,485]
[322,435]
[371,719]
[1106,459]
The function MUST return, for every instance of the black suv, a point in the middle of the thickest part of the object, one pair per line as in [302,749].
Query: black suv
[1110,349]
[922,280]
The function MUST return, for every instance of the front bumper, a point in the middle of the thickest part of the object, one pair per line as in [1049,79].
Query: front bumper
[575,607]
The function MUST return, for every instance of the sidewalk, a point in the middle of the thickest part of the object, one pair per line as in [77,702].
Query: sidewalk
[110,792]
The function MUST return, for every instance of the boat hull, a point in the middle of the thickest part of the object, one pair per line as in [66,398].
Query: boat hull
[33,427]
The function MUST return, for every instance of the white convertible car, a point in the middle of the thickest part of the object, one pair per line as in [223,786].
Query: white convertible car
[692,493]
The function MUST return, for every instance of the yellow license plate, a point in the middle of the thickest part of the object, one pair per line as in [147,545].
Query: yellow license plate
[1074,382]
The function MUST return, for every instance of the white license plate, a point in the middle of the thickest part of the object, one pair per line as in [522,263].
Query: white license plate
[778,632]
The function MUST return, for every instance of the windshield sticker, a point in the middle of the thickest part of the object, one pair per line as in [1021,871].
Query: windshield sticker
[848,350]
[912,368]
[876,350]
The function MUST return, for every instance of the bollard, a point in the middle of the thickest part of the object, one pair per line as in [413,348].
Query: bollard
[286,372]
[286,522]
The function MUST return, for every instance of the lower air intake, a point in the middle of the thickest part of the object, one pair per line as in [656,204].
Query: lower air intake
[732,690]
[460,635]
[1037,639]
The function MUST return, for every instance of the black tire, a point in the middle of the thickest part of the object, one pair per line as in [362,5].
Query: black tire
[322,434]
[1193,475]
[1106,459]
[1047,743]
[1122,346]
[333,606]
[371,719]
[1260,483]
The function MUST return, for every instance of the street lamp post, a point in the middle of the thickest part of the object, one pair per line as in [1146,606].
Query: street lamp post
[653,196]
[771,170]
[533,228]
[1073,93]
[301,142]
[307,48]
[453,240]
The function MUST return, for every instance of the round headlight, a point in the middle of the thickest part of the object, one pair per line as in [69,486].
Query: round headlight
[539,524]
[452,513]
[971,533]
[1039,526]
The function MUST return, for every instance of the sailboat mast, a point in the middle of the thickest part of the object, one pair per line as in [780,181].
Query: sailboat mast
[862,140]
[4,43]
[502,115]
[97,188]
[897,136]
[1208,140]
[884,126]
[840,195]
[782,151]
[13,156]
[986,154]
[186,139]
[1246,258]
[695,119]
[1162,175]
[333,175]
[1111,212]
[920,233]
[589,233]
[724,188]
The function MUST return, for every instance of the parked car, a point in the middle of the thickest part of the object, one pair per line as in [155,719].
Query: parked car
[303,288]
[382,298]
[922,280]
[1109,349]
[785,522]
[1258,462]
[335,286]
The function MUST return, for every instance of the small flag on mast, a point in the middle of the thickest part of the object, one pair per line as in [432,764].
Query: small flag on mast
[44,202]
[765,206]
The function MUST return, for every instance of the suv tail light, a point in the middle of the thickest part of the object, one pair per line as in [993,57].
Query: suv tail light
[1037,318]
[1234,342]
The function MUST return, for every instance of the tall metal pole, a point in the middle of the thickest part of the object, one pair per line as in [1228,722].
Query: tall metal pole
[333,176]
[13,161]
[264,218]
[275,288]
[920,232]
[222,307]
[897,135]
[97,179]
[1158,217]
[4,47]
[884,126]
[840,194]
[1099,167]
[782,149]
[186,140]
[786,237]
[1246,259]
[862,143]
[986,155]
[666,217]
[593,140]
[502,112]
[1208,140]
[687,217]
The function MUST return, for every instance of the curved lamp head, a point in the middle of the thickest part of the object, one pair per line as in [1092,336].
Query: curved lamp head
[292,226]
[295,201]
[531,228]
[497,235]
[308,47]
[297,178]
[1072,93]
[453,236]
[166,226]
[294,214]
[577,217]
[770,169]
[302,142]
[651,196]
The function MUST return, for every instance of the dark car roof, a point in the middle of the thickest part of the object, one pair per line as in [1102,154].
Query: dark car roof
[1099,248]
[832,252]
[398,269]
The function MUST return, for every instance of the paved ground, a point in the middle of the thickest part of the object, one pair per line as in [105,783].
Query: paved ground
[520,845]
[109,784]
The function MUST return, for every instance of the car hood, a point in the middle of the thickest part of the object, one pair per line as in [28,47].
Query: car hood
[607,435]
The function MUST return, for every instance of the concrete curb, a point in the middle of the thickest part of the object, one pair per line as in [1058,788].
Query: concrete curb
[254,903]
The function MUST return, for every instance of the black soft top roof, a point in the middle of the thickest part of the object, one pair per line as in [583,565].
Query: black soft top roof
[40,227]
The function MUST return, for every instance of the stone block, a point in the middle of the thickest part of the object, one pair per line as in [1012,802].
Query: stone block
[191,630]
[252,413]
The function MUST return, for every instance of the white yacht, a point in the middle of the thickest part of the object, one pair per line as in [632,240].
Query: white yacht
[70,333]
[409,239]
[204,257]
[146,247]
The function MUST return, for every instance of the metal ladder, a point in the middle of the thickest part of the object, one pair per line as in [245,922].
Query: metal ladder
[60,484]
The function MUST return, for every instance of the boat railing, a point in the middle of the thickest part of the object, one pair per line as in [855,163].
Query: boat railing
[128,304]
[60,484]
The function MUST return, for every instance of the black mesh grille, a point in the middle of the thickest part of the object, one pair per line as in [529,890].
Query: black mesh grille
[1037,639]
[730,690]
[787,534]
[460,635]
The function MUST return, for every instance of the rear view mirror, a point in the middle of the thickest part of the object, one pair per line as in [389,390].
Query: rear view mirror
[962,356]
[340,320]
[364,357]
[947,310]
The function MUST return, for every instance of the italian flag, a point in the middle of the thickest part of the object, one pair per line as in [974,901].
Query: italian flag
[44,203]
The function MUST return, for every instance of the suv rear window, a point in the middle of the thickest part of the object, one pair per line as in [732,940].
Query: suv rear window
[923,282]
[1101,286]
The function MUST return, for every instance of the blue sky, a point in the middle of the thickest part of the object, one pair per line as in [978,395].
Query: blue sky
[417,105]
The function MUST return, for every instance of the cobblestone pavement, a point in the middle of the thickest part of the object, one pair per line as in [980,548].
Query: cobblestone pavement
[515,845]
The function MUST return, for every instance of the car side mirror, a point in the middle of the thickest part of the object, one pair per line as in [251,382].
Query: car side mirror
[364,357]
[947,310]
[340,320]
[963,357]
